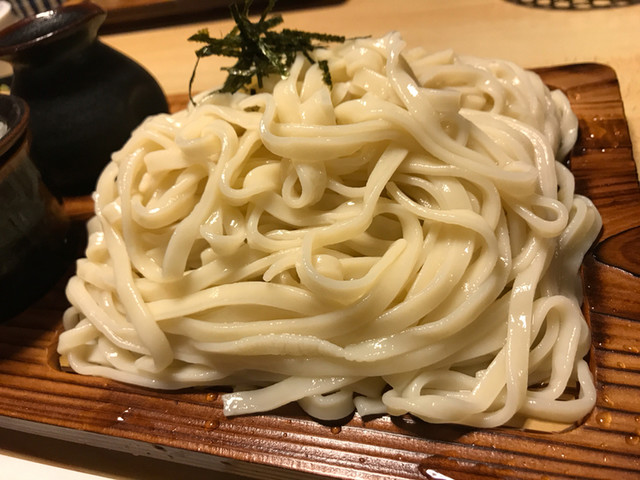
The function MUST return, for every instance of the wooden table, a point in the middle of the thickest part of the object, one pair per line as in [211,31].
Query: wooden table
[491,28]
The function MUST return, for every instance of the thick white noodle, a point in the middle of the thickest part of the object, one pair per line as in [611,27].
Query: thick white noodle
[405,241]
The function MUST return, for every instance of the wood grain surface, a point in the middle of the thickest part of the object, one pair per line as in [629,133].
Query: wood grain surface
[189,427]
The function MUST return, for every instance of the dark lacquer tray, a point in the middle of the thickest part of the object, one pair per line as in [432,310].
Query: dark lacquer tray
[127,15]
[36,396]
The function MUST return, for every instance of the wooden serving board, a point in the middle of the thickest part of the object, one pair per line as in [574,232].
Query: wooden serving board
[188,427]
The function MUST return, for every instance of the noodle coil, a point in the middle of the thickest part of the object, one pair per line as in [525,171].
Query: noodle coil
[404,241]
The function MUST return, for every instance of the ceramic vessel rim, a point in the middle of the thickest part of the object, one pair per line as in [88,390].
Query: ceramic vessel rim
[90,10]
[16,122]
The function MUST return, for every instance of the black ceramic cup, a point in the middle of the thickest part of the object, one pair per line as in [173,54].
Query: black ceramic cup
[35,247]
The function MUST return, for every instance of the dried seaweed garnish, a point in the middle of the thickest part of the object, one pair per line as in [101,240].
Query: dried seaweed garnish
[259,50]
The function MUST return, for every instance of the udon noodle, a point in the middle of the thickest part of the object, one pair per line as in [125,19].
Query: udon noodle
[405,240]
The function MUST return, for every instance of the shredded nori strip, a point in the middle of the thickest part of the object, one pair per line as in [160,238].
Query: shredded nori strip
[259,50]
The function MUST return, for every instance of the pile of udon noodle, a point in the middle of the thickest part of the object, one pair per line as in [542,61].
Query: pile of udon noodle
[405,240]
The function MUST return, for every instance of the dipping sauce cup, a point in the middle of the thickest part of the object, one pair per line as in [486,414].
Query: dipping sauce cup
[35,248]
